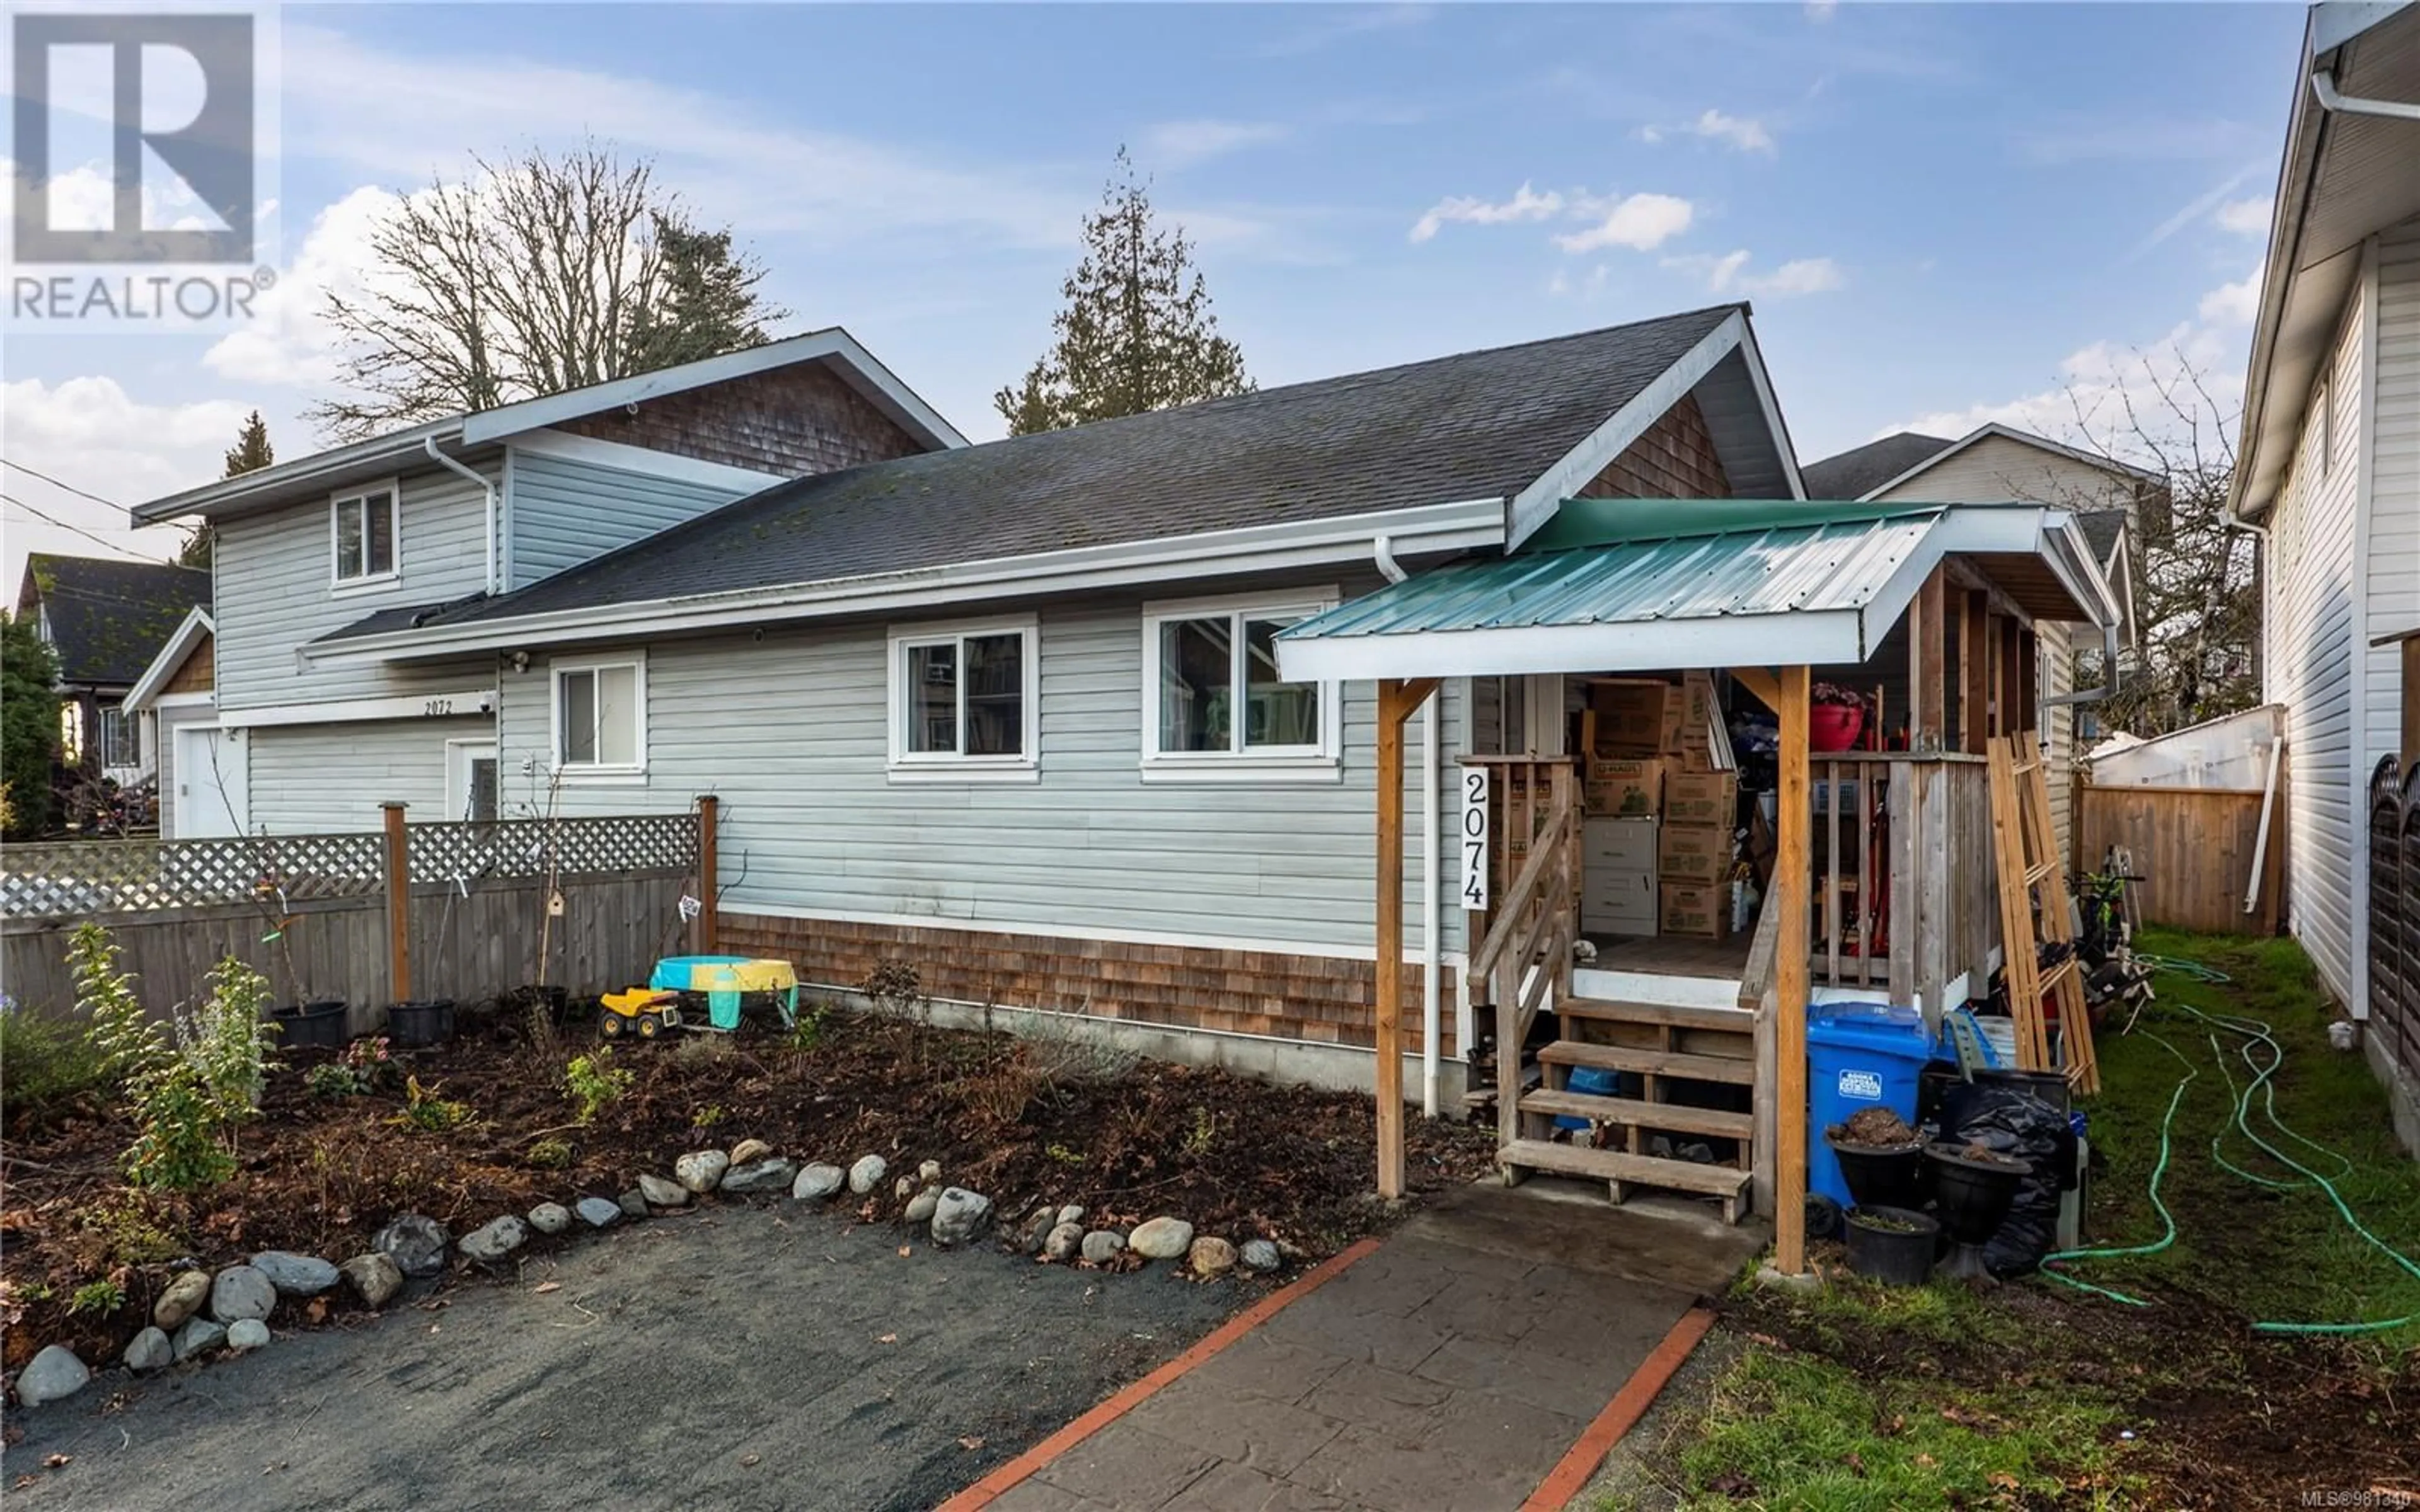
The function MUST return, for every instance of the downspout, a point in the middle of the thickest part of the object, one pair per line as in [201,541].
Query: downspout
[2323,86]
[487,491]
[1383,552]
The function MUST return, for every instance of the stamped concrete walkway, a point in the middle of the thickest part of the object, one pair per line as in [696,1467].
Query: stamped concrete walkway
[1448,1370]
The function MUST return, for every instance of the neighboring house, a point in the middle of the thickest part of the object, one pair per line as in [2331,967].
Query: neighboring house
[174,698]
[1997,462]
[2329,464]
[462,509]
[106,619]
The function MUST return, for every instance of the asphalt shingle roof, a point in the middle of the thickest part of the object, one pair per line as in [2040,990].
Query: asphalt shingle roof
[1480,425]
[108,619]
[2101,528]
[1861,470]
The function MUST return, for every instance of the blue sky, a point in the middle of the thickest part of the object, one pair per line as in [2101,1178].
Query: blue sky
[1941,214]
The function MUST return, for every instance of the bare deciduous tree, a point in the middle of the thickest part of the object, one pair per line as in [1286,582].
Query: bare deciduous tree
[532,276]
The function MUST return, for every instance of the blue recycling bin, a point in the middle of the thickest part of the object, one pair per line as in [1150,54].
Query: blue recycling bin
[1858,1056]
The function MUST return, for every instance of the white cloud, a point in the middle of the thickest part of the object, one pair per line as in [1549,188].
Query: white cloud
[1820,10]
[1641,222]
[290,344]
[2245,217]
[1729,274]
[89,433]
[1180,143]
[1526,204]
[1743,133]
[1563,286]
[2232,304]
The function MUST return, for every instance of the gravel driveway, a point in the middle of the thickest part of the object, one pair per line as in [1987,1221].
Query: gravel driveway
[736,1358]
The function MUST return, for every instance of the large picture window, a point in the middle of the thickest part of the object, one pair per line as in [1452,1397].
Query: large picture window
[601,719]
[964,701]
[1214,706]
[361,531]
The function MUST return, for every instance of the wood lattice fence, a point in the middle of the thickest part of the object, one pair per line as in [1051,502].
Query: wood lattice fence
[424,910]
[2394,912]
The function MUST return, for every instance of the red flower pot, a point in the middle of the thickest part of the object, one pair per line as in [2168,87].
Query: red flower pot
[1832,727]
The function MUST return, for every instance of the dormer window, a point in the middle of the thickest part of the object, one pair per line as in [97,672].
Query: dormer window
[362,532]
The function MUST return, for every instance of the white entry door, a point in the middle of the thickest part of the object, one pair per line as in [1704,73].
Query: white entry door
[212,783]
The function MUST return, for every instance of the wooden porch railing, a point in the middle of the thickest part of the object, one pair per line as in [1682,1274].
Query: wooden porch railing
[1903,885]
[1524,957]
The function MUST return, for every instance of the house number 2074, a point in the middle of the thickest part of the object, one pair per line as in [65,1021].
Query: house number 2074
[1474,838]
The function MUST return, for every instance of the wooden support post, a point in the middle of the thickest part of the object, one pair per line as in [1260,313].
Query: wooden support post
[1928,681]
[398,904]
[709,926]
[1396,701]
[2028,673]
[1974,670]
[2012,701]
[1791,873]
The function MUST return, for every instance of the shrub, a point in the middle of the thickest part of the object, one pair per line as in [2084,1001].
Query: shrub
[594,1083]
[551,1154]
[122,1038]
[424,1111]
[806,1029]
[364,1067]
[45,1063]
[228,1043]
[101,1297]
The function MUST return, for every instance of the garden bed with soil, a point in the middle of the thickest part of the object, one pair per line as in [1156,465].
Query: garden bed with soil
[1024,1121]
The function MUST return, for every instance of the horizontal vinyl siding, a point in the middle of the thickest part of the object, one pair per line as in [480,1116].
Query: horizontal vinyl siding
[562,513]
[2395,487]
[2308,635]
[331,779]
[1996,469]
[791,735]
[273,595]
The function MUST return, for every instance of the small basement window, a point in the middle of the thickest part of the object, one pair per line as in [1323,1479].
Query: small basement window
[965,700]
[1215,706]
[601,719]
[362,531]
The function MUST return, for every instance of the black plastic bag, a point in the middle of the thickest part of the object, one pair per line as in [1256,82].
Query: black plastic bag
[2010,1119]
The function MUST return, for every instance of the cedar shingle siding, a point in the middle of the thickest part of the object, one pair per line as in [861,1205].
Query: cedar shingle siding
[792,422]
[195,675]
[1675,458]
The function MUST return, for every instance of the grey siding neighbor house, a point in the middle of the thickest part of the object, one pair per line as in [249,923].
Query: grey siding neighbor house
[1010,712]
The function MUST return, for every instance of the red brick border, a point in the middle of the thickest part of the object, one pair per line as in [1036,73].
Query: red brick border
[1571,1474]
[985,1491]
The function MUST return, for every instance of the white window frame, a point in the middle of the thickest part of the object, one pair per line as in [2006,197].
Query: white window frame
[373,582]
[132,722]
[601,774]
[908,765]
[1238,763]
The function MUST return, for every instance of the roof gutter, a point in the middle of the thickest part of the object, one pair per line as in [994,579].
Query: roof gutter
[487,492]
[363,459]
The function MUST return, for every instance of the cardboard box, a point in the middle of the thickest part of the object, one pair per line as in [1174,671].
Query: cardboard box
[1690,908]
[1628,785]
[1694,797]
[1698,710]
[1693,853]
[1630,718]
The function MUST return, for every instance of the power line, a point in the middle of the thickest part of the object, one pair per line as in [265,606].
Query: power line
[54,519]
[57,483]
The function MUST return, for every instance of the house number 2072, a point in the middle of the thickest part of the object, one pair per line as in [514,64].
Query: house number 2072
[436,708]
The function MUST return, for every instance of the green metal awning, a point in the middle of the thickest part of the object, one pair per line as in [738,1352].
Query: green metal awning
[1626,584]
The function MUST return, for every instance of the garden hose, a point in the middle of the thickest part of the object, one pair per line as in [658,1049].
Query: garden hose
[2254,1032]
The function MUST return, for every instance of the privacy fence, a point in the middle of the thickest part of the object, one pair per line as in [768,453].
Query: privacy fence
[459,910]
[2394,912]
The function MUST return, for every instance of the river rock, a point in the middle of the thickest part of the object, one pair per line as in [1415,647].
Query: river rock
[492,1242]
[1162,1238]
[748,1150]
[150,1350]
[1211,1256]
[240,1292]
[661,1192]
[770,1174]
[247,1334]
[817,1182]
[1065,1243]
[921,1206]
[1036,1231]
[375,1277]
[198,1336]
[701,1170]
[295,1276]
[959,1215]
[1260,1254]
[599,1212]
[187,1291]
[1102,1245]
[549,1217]
[415,1242]
[867,1174]
[904,1188]
[633,1203]
[929,1172]
[1072,1213]
[50,1375]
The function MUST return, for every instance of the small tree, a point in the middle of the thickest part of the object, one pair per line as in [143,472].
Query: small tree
[250,454]
[29,727]
[1135,333]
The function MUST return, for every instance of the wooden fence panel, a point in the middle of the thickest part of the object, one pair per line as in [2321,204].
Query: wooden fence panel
[2195,848]
[330,948]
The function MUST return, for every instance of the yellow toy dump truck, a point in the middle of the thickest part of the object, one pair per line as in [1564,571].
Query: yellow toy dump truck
[720,983]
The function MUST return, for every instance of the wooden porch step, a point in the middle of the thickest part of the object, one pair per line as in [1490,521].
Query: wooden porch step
[1725,1181]
[1679,1116]
[1741,1072]
[1608,1010]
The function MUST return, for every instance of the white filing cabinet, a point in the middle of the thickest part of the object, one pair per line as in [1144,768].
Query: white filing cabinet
[1618,876]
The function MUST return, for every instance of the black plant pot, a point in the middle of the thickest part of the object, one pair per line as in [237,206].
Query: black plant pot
[1894,1246]
[426,1022]
[1973,1197]
[1882,1176]
[312,1026]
